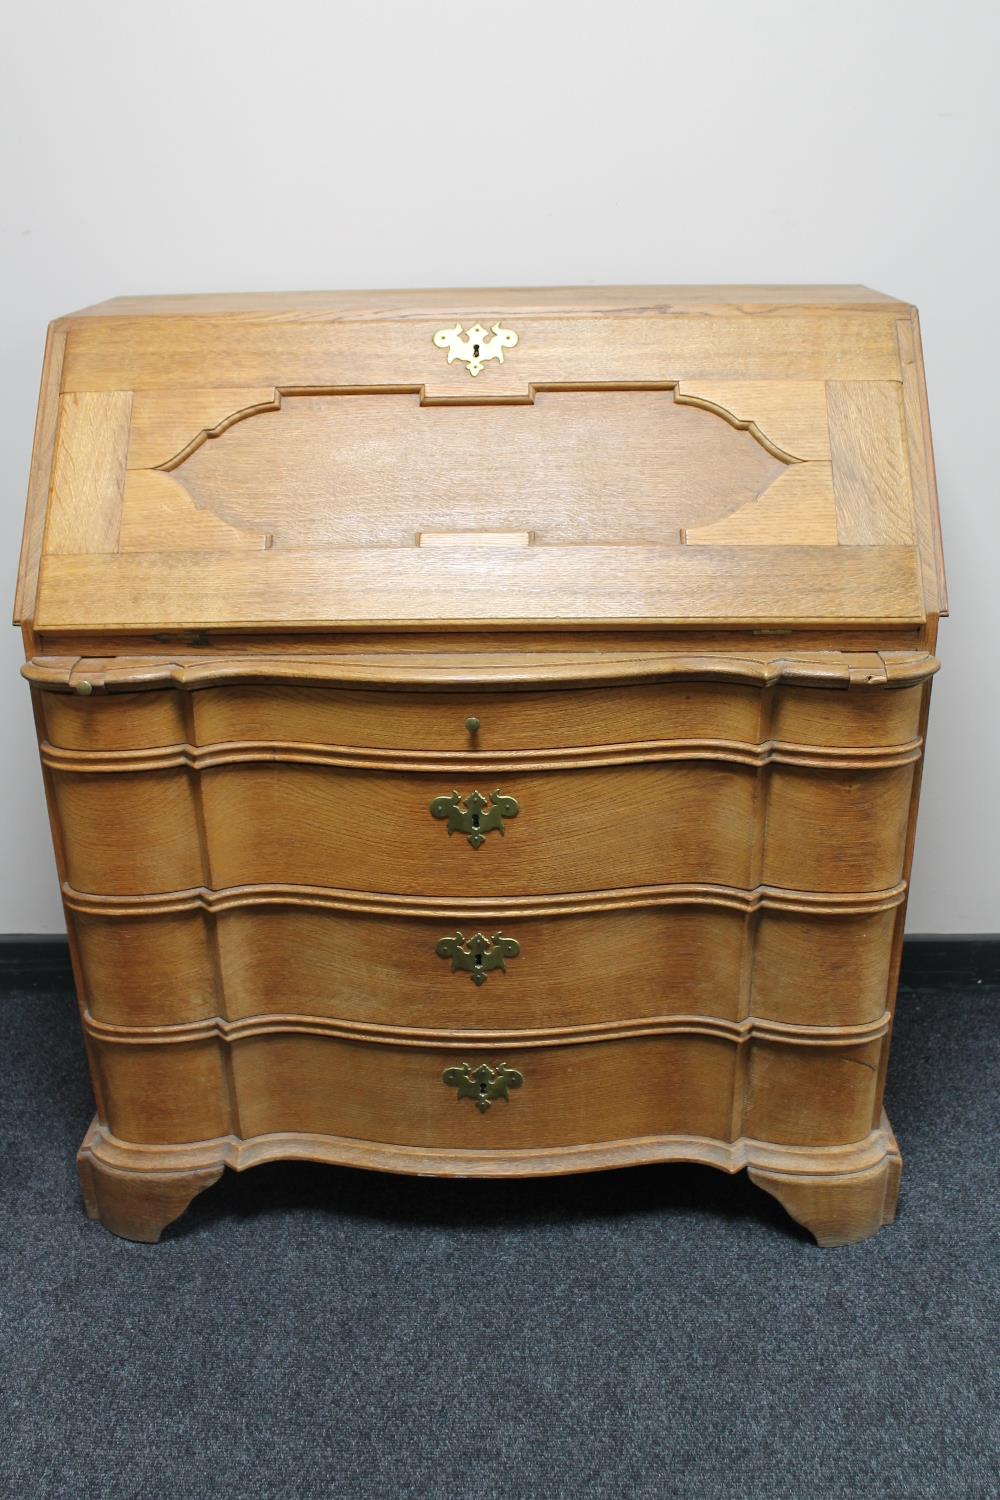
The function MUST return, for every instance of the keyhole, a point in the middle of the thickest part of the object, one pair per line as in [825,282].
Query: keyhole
[479,960]
[475,820]
[482,1088]
[475,351]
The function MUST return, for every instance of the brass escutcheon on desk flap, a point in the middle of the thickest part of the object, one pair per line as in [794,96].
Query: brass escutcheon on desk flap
[477,346]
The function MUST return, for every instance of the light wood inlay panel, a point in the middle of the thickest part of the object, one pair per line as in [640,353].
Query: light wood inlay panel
[798,510]
[871,477]
[88,472]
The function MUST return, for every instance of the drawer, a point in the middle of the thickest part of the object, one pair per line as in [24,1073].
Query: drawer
[520,720]
[278,824]
[267,822]
[248,957]
[637,713]
[588,1093]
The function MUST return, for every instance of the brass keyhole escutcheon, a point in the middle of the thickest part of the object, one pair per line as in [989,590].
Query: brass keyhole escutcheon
[483,1084]
[479,816]
[479,955]
[475,347]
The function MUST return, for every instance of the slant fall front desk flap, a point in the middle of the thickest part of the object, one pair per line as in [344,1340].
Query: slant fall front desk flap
[651,575]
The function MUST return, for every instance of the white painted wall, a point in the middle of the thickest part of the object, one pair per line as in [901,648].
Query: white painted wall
[207,145]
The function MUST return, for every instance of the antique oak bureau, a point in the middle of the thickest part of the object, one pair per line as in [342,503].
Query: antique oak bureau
[482,730]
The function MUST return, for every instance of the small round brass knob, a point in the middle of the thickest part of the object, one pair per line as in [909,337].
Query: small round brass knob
[472,724]
[83,687]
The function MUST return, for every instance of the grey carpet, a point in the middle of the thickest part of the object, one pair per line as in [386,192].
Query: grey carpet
[307,1331]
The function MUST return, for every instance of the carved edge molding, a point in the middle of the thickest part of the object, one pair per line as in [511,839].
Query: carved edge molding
[748,1029]
[206,433]
[857,1159]
[486,398]
[450,909]
[283,752]
[832,669]
[742,424]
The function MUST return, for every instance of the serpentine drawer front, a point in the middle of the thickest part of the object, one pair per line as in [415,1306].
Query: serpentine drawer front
[482,731]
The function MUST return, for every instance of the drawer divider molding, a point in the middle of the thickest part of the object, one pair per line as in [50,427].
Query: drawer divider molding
[438,908]
[750,1028]
[210,757]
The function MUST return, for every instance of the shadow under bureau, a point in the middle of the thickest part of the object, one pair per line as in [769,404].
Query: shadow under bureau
[482,731]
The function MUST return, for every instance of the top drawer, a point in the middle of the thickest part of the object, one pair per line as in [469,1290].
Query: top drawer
[638,714]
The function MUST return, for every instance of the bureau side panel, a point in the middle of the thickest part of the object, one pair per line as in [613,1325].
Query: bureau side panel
[800,1095]
[837,830]
[130,834]
[163,1092]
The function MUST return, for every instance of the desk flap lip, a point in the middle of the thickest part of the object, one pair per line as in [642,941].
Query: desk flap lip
[458,672]
[484,588]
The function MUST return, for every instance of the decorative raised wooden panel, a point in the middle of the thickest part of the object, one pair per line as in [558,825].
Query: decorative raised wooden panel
[599,670]
[569,467]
